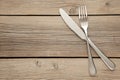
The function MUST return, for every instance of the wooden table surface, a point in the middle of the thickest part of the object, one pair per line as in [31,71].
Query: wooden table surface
[36,44]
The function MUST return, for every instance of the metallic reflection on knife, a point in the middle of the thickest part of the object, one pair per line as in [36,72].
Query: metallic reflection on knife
[75,28]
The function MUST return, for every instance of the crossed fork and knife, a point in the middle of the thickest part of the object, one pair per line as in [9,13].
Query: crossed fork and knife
[82,33]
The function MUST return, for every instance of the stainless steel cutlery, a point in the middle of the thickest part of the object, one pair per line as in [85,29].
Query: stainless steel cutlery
[75,28]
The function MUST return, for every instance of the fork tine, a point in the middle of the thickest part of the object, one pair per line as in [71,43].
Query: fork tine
[86,12]
[79,12]
[82,13]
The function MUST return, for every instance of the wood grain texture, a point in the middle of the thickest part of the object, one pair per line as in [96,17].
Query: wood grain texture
[50,7]
[55,69]
[48,36]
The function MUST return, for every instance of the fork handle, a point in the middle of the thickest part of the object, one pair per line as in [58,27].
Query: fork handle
[105,59]
[92,68]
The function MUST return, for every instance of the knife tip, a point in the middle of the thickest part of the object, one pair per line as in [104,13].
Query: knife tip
[60,9]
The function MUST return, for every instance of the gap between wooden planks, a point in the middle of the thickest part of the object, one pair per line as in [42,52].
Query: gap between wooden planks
[37,36]
[55,69]
[50,7]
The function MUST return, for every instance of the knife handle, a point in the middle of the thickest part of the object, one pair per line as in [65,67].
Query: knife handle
[105,59]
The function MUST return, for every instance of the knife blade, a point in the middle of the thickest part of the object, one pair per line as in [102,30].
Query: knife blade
[76,29]
[69,21]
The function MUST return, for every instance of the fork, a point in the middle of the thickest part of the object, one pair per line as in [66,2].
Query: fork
[83,20]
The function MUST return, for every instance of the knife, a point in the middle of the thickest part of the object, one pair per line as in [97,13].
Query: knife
[76,29]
